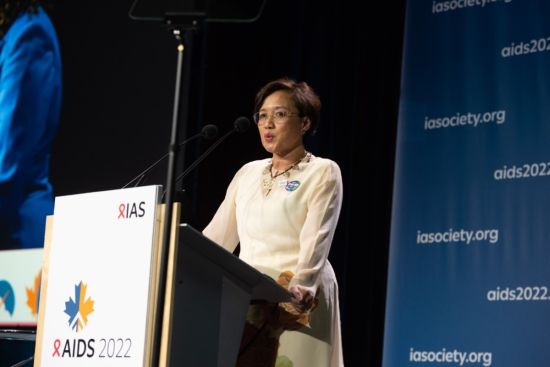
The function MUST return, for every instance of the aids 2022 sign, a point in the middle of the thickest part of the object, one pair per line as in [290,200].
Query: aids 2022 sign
[469,272]
[98,296]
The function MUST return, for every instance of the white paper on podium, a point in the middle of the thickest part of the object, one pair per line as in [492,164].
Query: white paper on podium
[98,278]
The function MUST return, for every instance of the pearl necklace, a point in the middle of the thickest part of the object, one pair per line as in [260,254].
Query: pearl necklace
[267,182]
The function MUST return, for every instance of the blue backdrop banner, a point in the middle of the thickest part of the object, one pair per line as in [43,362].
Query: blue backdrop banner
[469,271]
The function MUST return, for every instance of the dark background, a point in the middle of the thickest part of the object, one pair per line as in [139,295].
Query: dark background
[117,108]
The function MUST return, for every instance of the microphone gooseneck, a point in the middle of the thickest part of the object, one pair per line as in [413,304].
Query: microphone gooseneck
[240,125]
[208,132]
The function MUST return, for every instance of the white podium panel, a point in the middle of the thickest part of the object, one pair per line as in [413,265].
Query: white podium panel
[97,297]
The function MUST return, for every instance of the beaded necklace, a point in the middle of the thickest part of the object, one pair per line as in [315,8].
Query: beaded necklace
[267,182]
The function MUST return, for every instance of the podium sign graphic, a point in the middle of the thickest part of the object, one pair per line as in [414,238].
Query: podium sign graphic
[20,272]
[97,297]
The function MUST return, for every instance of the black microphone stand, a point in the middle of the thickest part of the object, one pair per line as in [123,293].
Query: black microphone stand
[182,30]
[182,26]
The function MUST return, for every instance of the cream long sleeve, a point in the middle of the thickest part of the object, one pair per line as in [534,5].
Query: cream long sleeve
[289,229]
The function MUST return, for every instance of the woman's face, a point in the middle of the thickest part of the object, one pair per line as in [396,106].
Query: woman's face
[280,127]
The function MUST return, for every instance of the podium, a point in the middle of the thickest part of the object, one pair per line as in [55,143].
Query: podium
[212,291]
[100,280]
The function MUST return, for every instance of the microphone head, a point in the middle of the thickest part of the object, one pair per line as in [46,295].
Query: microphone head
[241,124]
[209,131]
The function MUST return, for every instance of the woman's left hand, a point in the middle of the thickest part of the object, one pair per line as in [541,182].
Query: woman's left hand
[302,298]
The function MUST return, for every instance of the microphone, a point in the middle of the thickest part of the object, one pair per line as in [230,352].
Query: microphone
[240,125]
[208,132]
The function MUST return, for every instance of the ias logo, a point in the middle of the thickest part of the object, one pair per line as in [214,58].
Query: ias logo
[79,308]
[131,210]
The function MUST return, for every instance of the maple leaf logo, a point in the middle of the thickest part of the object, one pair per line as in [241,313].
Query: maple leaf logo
[7,297]
[33,295]
[79,309]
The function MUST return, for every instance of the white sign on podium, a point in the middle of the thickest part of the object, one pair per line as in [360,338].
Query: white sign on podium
[96,301]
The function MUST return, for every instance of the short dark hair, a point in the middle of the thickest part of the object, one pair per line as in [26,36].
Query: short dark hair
[10,10]
[304,97]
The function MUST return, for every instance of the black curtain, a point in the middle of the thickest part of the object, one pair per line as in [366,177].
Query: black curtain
[119,80]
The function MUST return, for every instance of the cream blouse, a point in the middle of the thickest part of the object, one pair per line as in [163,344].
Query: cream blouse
[288,228]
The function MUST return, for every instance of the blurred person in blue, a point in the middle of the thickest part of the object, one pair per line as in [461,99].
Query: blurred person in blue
[30,103]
